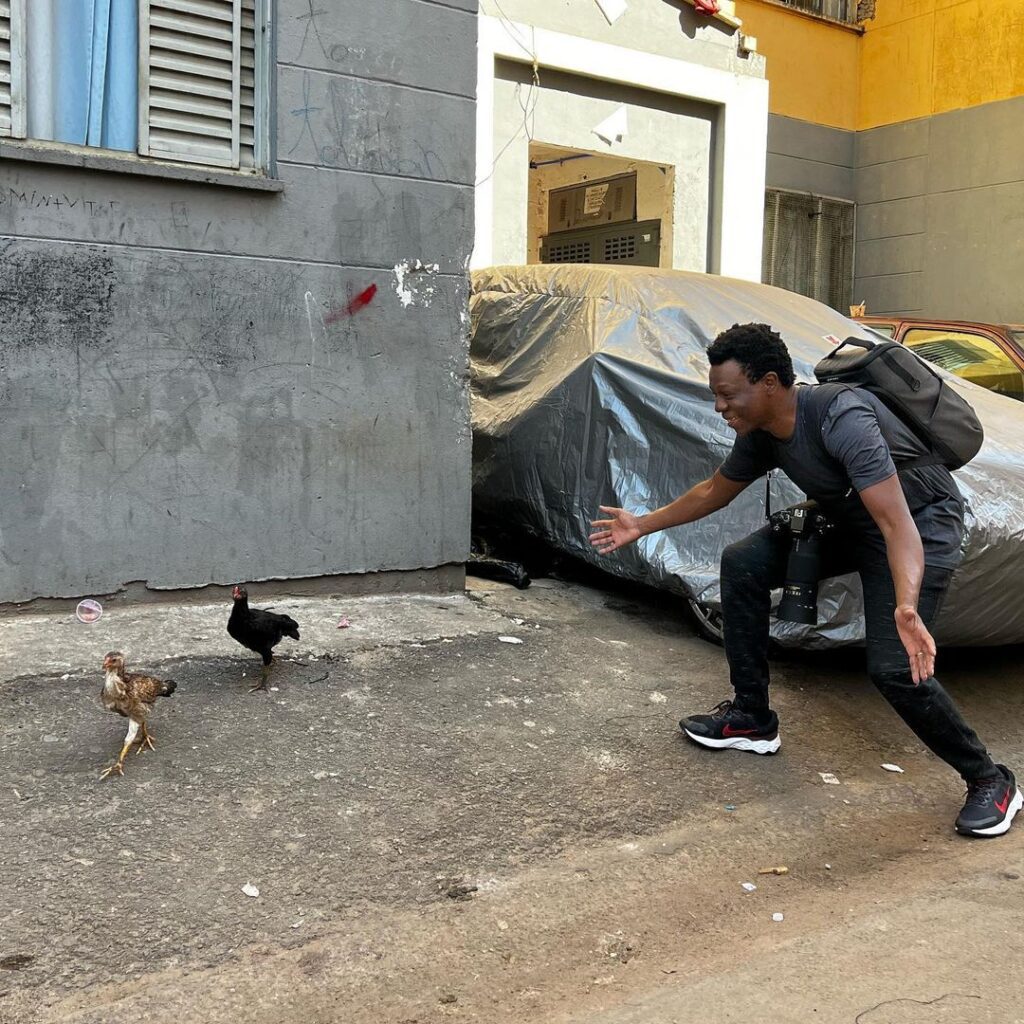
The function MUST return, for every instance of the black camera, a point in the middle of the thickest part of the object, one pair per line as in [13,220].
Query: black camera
[806,526]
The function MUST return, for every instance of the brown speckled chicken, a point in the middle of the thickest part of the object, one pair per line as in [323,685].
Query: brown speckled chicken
[132,695]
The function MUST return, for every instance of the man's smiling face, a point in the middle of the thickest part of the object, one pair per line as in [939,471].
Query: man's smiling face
[744,406]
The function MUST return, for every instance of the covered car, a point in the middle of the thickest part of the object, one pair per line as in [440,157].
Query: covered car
[590,387]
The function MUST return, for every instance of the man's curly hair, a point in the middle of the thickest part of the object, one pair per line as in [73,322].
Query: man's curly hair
[757,348]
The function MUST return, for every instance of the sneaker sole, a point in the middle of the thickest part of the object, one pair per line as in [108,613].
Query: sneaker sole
[1001,827]
[739,743]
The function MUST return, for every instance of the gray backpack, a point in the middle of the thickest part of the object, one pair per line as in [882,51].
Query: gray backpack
[910,387]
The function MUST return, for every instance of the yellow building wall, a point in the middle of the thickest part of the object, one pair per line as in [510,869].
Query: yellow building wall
[914,59]
[924,57]
[812,65]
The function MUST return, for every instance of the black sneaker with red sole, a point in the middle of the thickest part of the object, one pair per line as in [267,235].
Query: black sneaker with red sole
[728,727]
[991,805]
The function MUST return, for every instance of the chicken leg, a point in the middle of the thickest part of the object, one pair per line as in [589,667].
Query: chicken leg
[146,741]
[118,767]
[264,678]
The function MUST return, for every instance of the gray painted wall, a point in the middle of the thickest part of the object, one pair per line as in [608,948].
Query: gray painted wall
[805,157]
[940,215]
[176,405]
[940,206]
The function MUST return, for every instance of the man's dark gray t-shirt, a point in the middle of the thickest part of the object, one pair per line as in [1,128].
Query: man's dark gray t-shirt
[842,445]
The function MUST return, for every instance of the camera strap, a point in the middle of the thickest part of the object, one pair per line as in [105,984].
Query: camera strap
[768,494]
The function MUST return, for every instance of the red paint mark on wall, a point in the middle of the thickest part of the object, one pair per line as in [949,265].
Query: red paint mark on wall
[363,299]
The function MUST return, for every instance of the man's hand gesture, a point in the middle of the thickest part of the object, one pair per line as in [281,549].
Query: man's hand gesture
[918,642]
[611,534]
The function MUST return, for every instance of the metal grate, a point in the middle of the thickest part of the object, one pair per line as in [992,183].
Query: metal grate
[621,248]
[808,246]
[837,10]
[569,252]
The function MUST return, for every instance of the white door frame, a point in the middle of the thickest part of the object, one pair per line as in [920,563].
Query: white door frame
[743,126]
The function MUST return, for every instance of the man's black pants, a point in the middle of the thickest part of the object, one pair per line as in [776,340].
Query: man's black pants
[753,567]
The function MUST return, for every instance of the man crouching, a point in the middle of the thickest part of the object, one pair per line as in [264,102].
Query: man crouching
[900,531]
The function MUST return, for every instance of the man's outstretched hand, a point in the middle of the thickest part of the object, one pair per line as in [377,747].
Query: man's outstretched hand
[918,642]
[611,534]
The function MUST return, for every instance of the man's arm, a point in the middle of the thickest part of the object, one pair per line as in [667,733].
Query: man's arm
[888,507]
[699,501]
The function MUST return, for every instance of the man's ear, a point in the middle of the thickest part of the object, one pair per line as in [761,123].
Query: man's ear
[770,381]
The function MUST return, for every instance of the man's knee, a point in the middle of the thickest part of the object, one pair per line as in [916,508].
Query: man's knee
[900,690]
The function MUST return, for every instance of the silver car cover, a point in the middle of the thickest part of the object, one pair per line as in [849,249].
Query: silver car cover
[590,387]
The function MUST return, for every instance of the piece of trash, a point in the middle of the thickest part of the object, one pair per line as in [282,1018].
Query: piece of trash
[657,698]
[298,923]
[88,610]
[503,926]
[774,871]
[344,623]
[486,568]
[828,867]
[730,807]
[748,886]
[16,961]
[778,917]
[829,779]
[510,639]
[893,768]
[50,738]
[612,9]
[250,890]
[67,675]
[519,622]
[612,129]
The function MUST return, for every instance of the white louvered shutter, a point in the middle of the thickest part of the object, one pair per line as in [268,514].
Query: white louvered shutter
[12,68]
[247,116]
[190,80]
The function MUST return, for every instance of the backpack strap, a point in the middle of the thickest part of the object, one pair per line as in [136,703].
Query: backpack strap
[902,465]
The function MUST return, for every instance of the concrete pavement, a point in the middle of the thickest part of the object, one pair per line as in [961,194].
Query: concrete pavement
[446,826]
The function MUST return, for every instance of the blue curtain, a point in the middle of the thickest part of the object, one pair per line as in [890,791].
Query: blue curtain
[83,72]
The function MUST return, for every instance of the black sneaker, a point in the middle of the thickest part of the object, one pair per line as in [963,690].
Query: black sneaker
[991,805]
[730,727]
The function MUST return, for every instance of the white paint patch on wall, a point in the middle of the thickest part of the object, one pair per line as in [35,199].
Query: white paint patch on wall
[414,284]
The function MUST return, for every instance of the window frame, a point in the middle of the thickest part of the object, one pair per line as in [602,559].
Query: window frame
[954,334]
[262,176]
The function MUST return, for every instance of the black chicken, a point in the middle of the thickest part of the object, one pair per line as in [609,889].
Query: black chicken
[260,631]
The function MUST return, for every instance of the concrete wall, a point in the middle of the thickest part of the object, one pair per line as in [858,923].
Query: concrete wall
[813,65]
[693,102]
[176,404]
[805,157]
[925,57]
[564,109]
[669,28]
[940,215]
